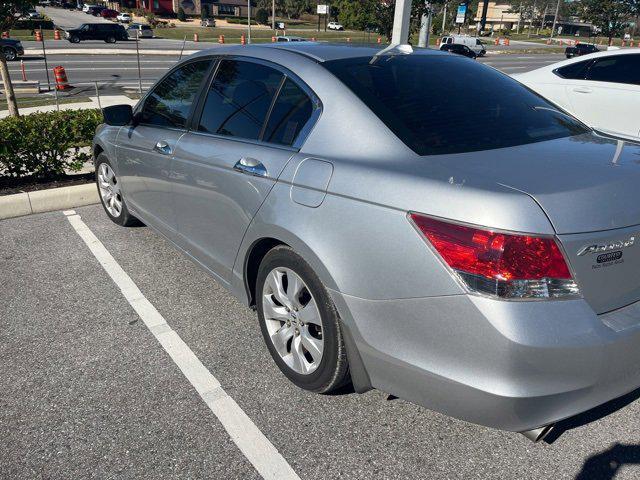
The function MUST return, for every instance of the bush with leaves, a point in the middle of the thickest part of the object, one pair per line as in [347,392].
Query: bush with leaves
[181,15]
[44,145]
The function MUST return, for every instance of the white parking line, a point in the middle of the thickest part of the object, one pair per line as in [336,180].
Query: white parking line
[245,434]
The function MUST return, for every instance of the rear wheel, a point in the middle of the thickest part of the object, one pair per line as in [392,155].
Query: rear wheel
[299,322]
[111,195]
[110,39]
[10,54]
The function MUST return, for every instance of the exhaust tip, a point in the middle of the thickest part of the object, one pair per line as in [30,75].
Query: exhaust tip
[538,434]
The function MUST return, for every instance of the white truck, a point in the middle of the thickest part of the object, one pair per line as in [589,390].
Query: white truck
[472,42]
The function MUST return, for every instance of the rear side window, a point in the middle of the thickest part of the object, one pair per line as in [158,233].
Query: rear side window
[442,104]
[169,104]
[574,71]
[616,69]
[239,99]
[291,111]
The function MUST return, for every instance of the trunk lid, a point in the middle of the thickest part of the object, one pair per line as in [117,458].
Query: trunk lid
[589,188]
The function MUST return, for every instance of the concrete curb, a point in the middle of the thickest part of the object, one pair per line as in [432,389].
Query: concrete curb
[49,200]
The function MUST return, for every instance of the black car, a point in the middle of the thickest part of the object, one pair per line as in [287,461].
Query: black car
[459,49]
[580,49]
[109,32]
[12,48]
[95,11]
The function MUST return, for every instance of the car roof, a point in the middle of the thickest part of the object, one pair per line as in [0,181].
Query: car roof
[318,51]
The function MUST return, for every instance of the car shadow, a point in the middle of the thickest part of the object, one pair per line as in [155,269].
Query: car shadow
[592,415]
[605,465]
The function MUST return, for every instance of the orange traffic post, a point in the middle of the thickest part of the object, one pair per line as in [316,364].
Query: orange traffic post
[313,39]
[379,39]
[507,41]
[243,39]
[5,34]
[196,38]
[221,39]
[62,83]
[38,36]
[273,39]
[56,34]
[631,44]
[24,72]
[348,39]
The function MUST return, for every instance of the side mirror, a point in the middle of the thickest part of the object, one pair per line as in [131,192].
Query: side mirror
[117,115]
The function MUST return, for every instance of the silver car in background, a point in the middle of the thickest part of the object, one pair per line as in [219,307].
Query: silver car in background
[414,222]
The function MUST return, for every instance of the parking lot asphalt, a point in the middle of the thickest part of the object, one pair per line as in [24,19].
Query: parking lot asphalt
[88,392]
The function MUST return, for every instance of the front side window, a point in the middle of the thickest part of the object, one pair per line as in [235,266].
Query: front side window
[169,104]
[444,104]
[291,112]
[239,99]
[616,69]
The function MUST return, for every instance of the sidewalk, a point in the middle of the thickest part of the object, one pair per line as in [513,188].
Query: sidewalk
[105,101]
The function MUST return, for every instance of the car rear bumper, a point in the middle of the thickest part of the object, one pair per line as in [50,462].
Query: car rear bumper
[508,365]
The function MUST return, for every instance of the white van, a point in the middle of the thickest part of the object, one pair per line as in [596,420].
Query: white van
[473,43]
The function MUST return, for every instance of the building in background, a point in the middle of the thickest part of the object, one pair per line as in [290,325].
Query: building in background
[229,8]
[499,16]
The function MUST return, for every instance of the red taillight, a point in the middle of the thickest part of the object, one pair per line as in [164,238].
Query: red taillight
[499,263]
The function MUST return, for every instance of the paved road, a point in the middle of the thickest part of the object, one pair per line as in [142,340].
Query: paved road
[69,18]
[88,392]
[107,68]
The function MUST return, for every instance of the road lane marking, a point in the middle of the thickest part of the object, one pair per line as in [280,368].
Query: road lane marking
[245,434]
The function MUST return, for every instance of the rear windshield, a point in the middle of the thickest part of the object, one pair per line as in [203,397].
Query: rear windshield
[439,104]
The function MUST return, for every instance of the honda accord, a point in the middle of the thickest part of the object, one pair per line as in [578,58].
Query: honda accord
[401,219]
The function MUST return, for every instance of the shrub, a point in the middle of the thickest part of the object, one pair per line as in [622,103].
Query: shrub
[43,145]
[262,16]
[204,12]
[181,15]
[33,25]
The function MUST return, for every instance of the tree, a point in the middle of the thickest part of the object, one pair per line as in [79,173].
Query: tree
[9,14]
[610,16]
[181,15]
[204,12]
[262,16]
[295,8]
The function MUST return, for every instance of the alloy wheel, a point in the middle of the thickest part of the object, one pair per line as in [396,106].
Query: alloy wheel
[293,320]
[109,190]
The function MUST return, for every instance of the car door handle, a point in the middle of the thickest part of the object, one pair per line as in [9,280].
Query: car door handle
[163,147]
[250,166]
[582,90]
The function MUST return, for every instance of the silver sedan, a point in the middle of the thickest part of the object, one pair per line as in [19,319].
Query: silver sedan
[404,220]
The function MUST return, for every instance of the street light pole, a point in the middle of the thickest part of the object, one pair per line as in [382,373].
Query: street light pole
[249,20]
[425,27]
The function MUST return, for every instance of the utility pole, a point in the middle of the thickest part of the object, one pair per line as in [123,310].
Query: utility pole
[555,19]
[249,21]
[519,19]
[444,17]
[483,17]
[533,12]
[425,27]
[273,14]
[402,15]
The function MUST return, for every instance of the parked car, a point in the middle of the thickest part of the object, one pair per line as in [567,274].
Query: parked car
[580,49]
[11,48]
[289,38]
[280,25]
[392,254]
[602,90]
[95,11]
[33,15]
[208,22]
[473,43]
[140,30]
[108,13]
[109,32]
[334,26]
[124,18]
[86,7]
[459,49]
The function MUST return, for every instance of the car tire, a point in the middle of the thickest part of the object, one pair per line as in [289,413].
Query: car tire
[105,185]
[74,39]
[110,39]
[10,54]
[299,333]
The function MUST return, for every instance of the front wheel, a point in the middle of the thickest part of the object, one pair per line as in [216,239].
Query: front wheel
[74,39]
[111,195]
[299,322]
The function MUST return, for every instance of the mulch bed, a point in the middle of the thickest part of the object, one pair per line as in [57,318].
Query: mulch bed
[9,186]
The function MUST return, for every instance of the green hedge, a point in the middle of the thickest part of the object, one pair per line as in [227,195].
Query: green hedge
[43,145]
[33,25]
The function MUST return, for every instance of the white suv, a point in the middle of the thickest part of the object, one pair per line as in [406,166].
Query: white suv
[124,18]
[334,26]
